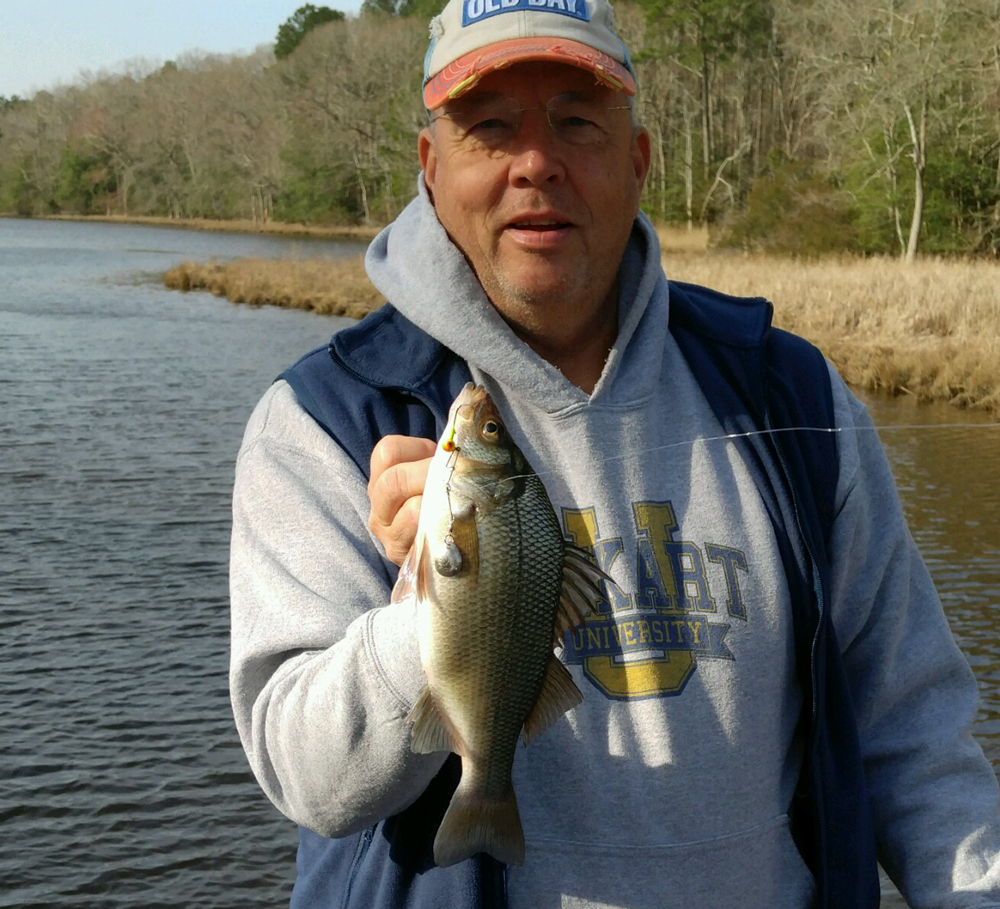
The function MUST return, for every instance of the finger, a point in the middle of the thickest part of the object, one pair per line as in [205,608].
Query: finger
[399,466]
[393,488]
[392,450]
[399,536]
[399,471]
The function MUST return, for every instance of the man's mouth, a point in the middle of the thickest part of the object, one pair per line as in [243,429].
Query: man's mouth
[538,224]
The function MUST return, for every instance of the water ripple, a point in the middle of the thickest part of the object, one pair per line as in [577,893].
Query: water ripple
[124,784]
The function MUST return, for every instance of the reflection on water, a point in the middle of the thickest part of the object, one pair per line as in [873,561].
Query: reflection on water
[123,404]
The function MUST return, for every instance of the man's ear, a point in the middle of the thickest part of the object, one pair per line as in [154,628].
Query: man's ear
[641,153]
[428,157]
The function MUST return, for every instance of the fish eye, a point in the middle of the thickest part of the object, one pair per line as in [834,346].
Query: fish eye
[491,429]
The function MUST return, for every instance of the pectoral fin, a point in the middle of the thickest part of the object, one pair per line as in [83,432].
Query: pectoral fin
[406,580]
[559,694]
[412,578]
[465,537]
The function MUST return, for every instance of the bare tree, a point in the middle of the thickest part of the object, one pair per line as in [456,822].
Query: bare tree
[889,68]
[355,89]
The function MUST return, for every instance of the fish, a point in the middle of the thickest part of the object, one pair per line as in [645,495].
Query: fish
[496,586]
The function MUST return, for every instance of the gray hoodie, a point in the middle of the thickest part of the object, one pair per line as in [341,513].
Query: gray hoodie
[670,784]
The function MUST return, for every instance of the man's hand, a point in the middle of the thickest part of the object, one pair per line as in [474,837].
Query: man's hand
[398,473]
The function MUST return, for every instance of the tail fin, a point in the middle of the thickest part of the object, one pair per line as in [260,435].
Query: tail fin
[473,824]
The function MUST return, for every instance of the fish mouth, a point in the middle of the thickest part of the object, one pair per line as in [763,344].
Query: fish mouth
[473,405]
[464,406]
[470,395]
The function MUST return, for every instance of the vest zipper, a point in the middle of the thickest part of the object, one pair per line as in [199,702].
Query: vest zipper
[359,856]
[817,586]
[817,793]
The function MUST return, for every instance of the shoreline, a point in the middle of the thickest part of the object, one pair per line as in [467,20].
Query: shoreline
[271,228]
[678,238]
[930,329]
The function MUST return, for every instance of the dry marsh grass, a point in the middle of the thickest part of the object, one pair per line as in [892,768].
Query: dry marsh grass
[680,239]
[930,329]
[331,287]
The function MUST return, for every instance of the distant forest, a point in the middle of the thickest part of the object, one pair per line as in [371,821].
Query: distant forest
[791,125]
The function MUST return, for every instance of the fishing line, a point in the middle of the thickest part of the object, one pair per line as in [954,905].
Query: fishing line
[450,466]
[762,432]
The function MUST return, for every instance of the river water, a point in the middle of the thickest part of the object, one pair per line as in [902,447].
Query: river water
[122,406]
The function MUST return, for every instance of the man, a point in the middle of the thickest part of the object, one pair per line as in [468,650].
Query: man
[771,691]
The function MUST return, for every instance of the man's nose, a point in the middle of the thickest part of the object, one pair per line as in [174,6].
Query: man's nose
[537,156]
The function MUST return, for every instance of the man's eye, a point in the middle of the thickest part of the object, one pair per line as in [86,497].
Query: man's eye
[492,125]
[576,122]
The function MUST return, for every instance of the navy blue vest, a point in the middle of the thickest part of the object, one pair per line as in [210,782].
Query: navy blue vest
[385,375]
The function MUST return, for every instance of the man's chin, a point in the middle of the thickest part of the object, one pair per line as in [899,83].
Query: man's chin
[541,290]
[536,297]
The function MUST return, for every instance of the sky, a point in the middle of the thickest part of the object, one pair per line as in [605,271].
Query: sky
[47,43]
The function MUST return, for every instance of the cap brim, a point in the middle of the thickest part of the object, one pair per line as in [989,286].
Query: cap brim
[458,77]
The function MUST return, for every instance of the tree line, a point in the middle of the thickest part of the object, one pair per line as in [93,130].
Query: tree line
[790,125]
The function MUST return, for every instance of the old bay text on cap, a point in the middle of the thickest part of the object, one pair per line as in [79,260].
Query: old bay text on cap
[475,10]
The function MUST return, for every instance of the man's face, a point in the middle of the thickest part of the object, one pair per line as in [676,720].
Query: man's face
[542,214]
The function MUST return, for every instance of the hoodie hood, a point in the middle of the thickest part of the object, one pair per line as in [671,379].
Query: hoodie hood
[415,265]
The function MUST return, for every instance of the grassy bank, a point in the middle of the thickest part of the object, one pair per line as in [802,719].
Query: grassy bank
[331,287]
[277,228]
[930,329]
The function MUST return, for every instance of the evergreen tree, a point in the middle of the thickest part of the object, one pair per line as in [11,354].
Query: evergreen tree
[298,25]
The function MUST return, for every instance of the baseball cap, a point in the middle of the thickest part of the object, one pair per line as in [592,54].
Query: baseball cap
[471,38]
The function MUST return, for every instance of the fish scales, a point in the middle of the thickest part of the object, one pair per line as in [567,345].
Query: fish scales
[496,670]
[488,570]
